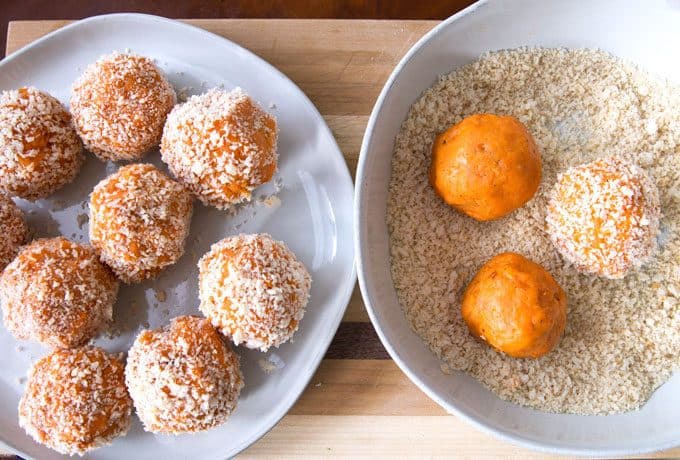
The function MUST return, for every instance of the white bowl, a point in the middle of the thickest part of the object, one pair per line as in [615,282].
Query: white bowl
[646,33]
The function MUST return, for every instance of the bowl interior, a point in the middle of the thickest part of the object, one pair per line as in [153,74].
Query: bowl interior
[641,32]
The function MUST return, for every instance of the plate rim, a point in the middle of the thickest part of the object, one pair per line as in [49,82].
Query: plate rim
[343,295]
[361,253]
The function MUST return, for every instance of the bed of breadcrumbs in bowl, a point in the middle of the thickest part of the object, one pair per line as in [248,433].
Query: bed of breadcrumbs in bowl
[622,338]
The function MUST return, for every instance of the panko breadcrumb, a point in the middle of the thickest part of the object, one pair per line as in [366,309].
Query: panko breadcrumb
[183,378]
[603,216]
[119,106]
[40,151]
[221,145]
[13,230]
[253,289]
[76,401]
[623,336]
[58,293]
[139,221]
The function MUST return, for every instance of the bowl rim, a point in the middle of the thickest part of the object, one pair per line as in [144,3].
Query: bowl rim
[361,251]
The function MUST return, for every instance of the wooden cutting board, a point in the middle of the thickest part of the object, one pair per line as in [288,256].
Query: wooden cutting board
[358,403]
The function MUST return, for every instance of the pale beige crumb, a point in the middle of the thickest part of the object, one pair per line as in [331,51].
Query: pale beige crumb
[160,295]
[272,201]
[623,336]
[271,363]
[82,219]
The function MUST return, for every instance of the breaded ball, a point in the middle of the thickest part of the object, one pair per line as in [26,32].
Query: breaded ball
[221,145]
[516,306]
[40,151]
[58,293]
[76,401]
[603,217]
[486,166]
[183,378]
[13,230]
[119,106]
[139,221]
[253,289]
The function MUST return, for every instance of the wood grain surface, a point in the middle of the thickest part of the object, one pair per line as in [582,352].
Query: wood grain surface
[358,404]
[13,10]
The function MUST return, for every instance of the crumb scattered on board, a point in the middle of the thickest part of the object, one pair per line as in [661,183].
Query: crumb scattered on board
[623,337]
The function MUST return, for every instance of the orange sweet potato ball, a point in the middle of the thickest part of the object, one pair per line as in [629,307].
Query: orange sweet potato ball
[515,306]
[486,166]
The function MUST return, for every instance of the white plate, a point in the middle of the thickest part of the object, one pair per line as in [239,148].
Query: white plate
[647,33]
[314,218]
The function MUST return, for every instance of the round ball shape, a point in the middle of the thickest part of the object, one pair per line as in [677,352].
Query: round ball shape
[221,145]
[40,151]
[58,293]
[603,217]
[486,166]
[76,401]
[139,221]
[515,306]
[183,378]
[13,230]
[119,106]
[253,289]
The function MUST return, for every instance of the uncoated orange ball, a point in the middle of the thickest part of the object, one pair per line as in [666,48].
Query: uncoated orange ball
[515,306]
[486,166]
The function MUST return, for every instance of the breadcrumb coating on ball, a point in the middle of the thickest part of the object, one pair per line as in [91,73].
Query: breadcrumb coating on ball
[13,230]
[40,151]
[75,400]
[183,378]
[253,289]
[58,293]
[119,106]
[221,145]
[603,217]
[139,221]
